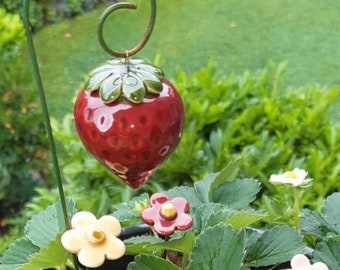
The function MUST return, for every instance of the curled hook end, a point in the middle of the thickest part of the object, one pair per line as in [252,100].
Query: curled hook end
[145,37]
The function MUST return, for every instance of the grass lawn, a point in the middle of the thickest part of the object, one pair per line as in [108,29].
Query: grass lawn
[238,34]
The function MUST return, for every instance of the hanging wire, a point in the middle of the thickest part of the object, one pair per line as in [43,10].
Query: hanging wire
[43,102]
[145,37]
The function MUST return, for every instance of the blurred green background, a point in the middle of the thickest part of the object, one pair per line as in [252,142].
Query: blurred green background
[238,34]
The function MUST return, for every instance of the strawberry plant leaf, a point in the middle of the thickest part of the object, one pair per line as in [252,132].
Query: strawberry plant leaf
[225,251]
[18,254]
[45,226]
[328,252]
[202,187]
[52,256]
[312,222]
[128,212]
[207,215]
[236,194]
[243,219]
[139,244]
[151,262]
[224,176]
[183,245]
[330,212]
[196,195]
[276,245]
[189,193]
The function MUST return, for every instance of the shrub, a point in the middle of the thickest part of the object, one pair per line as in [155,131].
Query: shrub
[43,12]
[22,138]
[254,117]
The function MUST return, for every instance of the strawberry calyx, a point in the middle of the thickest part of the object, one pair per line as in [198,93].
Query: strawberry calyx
[132,79]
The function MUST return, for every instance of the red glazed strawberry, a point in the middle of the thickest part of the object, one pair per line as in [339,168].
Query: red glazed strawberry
[130,118]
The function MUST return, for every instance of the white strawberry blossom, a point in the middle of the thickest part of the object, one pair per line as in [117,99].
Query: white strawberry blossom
[296,177]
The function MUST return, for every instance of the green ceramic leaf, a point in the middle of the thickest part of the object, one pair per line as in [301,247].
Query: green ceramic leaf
[96,79]
[150,262]
[45,226]
[150,68]
[276,245]
[104,67]
[130,78]
[153,83]
[133,88]
[111,88]
[18,253]
[218,248]
[53,256]
[236,194]
[153,87]
[328,252]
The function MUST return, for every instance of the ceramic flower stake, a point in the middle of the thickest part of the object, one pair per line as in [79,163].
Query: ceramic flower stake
[296,178]
[301,262]
[167,215]
[93,240]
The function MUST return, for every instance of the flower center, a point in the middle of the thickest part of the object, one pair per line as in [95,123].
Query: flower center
[95,235]
[168,211]
[291,175]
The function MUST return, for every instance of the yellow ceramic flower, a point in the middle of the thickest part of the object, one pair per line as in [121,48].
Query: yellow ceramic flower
[93,240]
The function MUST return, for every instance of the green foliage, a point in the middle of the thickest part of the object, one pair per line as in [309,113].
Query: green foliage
[235,245]
[329,251]
[150,262]
[40,248]
[252,116]
[22,137]
[325,224]
[323,231]
[274,245]
[42,12]
[11,35]
[215,218]
[226,253]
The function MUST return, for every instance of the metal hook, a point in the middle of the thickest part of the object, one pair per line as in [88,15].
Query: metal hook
[141,43]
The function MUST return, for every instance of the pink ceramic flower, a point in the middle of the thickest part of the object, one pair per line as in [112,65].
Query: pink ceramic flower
[301,262]
[93,240]
[167,215]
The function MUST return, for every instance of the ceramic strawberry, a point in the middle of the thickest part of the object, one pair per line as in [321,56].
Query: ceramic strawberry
[129,117]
